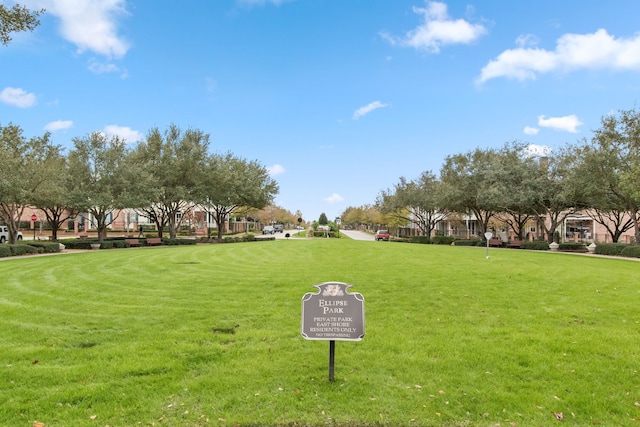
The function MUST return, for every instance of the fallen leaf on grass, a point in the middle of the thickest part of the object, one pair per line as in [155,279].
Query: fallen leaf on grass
[559,415]
[38,424]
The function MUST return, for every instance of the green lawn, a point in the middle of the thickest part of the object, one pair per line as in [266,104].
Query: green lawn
[210,335]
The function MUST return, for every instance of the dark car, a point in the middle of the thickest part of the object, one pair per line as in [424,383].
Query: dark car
[382,235]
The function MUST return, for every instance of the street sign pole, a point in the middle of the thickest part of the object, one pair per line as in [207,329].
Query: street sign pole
[488,235]
[332,359]
[34,218]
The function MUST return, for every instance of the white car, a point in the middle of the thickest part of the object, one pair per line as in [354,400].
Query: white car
[4,234]
[268,230]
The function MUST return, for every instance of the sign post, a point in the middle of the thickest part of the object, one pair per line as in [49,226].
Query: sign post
[488,235]
[34,218]
[333,314]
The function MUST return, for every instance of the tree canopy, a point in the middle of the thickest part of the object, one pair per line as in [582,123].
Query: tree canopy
[15,19]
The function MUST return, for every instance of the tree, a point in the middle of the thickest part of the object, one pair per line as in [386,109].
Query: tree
[272,213]
[558,192]
[513,175]
[104,178]
[414,201]
[17,18]
[54,195]
[22,173]
[466,186]
[614,163]
[322,220]
[233,183]
[175,162]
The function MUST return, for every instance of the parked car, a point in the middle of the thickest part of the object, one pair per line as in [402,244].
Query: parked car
[268,230]
[382,235]
[279,228]
[4,234]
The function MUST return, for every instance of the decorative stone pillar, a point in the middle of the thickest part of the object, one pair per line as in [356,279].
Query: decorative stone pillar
[554,247]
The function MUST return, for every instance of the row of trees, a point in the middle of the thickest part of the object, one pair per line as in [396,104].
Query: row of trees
[513,186]
[168,173]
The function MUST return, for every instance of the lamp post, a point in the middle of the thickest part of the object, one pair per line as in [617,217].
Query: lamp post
[488,235]
[338,220]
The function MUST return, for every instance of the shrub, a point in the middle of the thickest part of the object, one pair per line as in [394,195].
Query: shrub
[23,249]
[610,248]
[5,251]
[78,243]
[572,247]
[180,241]
[537,245]
[468,242]
[47,247]
[106,244]
[631,251]
[425,240]
[442,240]
[119,244]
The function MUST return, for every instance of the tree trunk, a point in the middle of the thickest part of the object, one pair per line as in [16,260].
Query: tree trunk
[636,227]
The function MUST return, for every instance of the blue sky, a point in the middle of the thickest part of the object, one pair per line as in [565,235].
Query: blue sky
[338,98]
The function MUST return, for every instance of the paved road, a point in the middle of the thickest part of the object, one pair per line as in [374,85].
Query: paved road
[357,235]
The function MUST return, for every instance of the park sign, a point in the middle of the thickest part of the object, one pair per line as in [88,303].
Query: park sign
[333,313]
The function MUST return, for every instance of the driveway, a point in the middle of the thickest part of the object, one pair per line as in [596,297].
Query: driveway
[357,235]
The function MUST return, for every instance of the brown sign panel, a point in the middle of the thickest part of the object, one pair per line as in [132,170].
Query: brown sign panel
[333,313]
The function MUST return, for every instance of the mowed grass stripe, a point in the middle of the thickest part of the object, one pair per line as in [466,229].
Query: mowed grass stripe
[182,335]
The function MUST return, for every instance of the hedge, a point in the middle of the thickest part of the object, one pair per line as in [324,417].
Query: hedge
[176,242]
[78,243]
[631,251]
[573,247]
[610,248]
[442,240]
[535,246]
[420,239]
[21,249]
[47,247]
[468,242]
[5,251]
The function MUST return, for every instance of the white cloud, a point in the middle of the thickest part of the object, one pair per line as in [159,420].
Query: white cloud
[566,123]
[89,24]
[437,30]
[276,170]
[531,130]
[363,111]
[124,132]
[525,40]
[573,51]
[58,125]
[17,97]
[334,198]
[101,68]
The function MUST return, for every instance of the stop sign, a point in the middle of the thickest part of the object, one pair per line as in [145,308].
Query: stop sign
[34,217]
